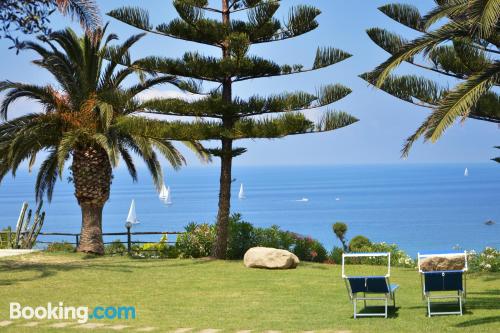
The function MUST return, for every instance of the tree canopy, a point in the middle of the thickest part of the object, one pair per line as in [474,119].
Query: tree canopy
[226,117]
[459,40]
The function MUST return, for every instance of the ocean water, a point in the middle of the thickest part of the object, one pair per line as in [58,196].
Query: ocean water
[419,207]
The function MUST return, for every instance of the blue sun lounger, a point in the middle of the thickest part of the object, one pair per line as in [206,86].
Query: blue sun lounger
[443,284]
[379,286]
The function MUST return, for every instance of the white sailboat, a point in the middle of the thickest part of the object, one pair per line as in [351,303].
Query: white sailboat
[466,172]
[165,194]
[167,199]
[241,194]
[132,217]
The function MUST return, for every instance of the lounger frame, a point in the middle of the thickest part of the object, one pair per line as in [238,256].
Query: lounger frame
[429,297]
[354,297]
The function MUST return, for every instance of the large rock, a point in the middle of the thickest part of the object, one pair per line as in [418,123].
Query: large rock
[443,263]
[267,257]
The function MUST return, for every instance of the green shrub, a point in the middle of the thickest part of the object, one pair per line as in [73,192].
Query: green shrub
[60,247]
[274,237]
[157,250]
[398,256]
[359,242]
[486,261]
[336,255]
[115,248]
[5,242]
[197,241]
[241,237]
[308,249]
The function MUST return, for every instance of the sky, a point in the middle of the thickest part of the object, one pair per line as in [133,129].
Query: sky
[385,122]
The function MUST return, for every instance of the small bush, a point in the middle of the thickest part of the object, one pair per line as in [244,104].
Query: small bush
[5,242]
[197,241]
[398,256]
[152,250]
[60,247]
[359,242]
[274,237]
[336,255]
[241,237]
[486,261]
[308,249]
[115,248]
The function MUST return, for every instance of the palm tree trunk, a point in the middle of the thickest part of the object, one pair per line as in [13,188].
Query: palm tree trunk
[92,179]
[91,234]
[226,156]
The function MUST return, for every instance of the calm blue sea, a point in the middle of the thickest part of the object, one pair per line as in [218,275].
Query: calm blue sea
[419,207]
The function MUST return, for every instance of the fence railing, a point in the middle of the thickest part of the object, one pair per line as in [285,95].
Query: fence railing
[76,237]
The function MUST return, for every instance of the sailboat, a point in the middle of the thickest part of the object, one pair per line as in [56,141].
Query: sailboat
[466,172]
[167,200]
[165,194]
[132,217]
[241,194]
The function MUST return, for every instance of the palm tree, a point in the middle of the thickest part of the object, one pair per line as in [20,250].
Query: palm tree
[86,11]
[464,47]
[91,118]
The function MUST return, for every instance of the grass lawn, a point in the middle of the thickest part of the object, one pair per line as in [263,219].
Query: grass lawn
[202,294]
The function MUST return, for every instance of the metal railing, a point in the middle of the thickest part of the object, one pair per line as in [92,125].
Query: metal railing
[76,237]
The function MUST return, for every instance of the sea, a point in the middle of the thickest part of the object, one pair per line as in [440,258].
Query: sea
[419,207]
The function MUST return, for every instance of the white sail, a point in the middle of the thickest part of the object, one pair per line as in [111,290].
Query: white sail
[132,217]
[167,198]
[241,194]
[163,193]
[466,172]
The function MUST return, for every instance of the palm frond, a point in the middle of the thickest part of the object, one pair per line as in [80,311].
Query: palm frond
[460,101]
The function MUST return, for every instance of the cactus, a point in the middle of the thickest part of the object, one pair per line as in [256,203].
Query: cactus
[26,235]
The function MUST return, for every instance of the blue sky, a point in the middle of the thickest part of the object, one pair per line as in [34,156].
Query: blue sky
[385,121]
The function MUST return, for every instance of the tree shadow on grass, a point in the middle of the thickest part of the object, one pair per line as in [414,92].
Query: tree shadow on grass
[477,300]
[15,271]
[479,321]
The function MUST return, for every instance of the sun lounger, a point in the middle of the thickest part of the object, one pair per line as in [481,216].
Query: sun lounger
[379,287]
[439,282]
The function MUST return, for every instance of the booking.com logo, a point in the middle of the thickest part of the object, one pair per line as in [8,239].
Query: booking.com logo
[60,312]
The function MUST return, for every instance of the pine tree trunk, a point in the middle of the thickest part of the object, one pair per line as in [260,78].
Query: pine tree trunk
[224,199]
[226,157]
[92,179]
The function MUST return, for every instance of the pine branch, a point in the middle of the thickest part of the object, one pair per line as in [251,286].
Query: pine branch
[405,14]
[333,120]
[134,16]
[388,41]
[169,130]
[410,88]
[214,107]
[325,57]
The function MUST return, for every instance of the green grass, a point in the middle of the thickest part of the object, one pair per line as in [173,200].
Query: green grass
[169,294]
